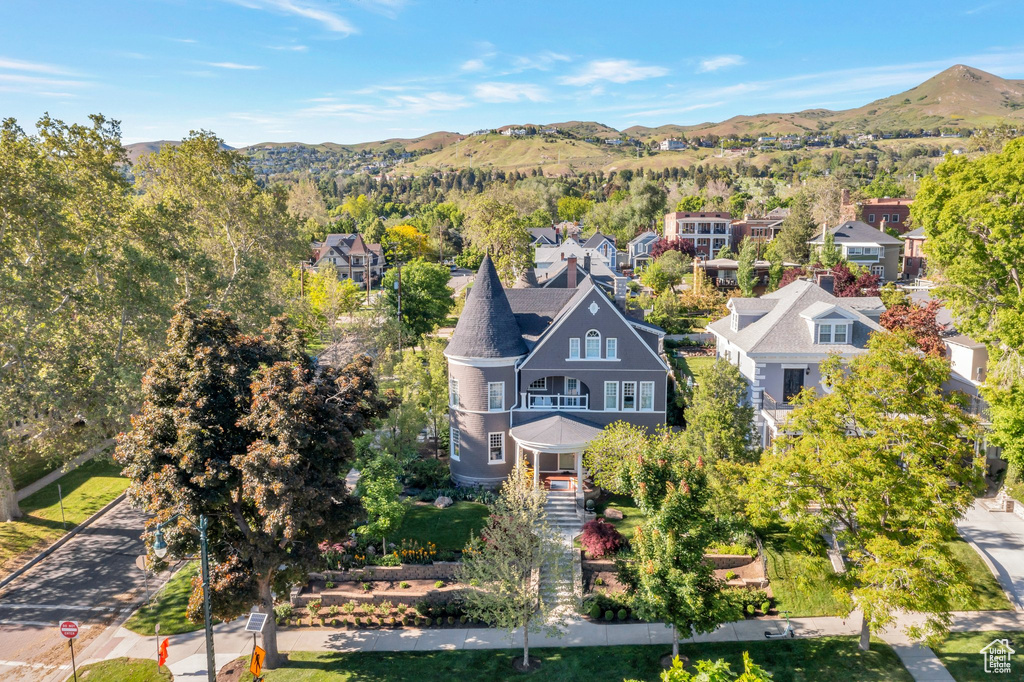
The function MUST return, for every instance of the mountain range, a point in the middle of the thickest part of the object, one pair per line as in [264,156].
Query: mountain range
[959,97]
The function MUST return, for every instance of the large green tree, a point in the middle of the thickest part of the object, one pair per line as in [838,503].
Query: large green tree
[248,432]
[84,293]
[425,295]
[746,275]
[885,462]
[573,208]
[666,574]
[973,218]
[494,227]
[797,229]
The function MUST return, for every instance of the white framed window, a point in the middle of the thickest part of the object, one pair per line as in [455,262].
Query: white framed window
[455,443]
[878,270]
[647,396]
[593,344]
[495,448]
[824,333]
[611,396]
[453,392]
[566,461]
[611,348]
[572,386]
[574,349]
[495,396]
[734,321]
[870,250]
[538,384]
[628,395]
[854,251]
[871,217]
[840,333]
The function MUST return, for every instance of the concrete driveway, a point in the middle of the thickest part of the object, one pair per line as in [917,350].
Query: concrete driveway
[1000,538]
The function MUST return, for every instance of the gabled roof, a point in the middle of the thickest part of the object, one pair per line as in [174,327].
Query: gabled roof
[487,327]
[596,239]
[915,234]
[644,236]
[547,235]
[782,330]
[535,309]
[854,231]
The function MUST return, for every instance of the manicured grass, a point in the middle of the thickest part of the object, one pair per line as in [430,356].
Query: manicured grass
[168,607]
[449,528]
[86,490]
[632,517]
[31,469]
[123,670]
[802,583]
[960,653]
[987,595]
[828,659]
[692,364]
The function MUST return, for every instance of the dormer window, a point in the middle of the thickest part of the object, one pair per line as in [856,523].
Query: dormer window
[837,332]
[734,321]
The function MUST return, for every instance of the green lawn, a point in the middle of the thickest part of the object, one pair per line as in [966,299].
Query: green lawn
[828,659]
[86,490]
[987,594]
[168,607]
[692,364]
[449,528]
[960,654]
[631,515]
[123,670]
[31,469]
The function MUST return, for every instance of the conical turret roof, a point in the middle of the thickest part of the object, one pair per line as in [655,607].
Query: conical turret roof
[487,327]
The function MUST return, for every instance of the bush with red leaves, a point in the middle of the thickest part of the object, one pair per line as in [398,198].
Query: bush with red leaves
[683,246]
[791,275]
[601,538]
[921,322]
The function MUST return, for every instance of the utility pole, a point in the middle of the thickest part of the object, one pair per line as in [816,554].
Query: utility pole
[398,288]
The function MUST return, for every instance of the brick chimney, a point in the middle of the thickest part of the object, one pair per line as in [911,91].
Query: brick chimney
[571,272]
[586,262]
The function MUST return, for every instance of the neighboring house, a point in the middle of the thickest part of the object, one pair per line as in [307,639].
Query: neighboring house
[865,245]
[878,213]
[543,236]
[761,230]
[709,232]
[672,145]
[536,373]
[722,272]
[640,248]
[779,340]
[604,246]
[914,263]
[353,258]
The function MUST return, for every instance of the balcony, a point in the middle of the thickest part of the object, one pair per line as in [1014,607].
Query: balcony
[532,401]
[775,411]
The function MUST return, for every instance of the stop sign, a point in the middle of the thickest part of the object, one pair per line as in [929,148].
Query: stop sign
[69,628]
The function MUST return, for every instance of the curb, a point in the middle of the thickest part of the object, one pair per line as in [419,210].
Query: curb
[59,543]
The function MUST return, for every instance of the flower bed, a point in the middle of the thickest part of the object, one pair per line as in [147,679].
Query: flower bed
[375,592]
[383,614]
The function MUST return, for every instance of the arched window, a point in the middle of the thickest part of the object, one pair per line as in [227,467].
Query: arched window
[593,344]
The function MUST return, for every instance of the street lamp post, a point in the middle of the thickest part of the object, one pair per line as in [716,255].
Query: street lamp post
[160,549]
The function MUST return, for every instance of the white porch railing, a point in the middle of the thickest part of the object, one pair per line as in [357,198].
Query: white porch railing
[532,401]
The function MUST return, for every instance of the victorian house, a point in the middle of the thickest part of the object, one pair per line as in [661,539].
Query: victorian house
[536,372]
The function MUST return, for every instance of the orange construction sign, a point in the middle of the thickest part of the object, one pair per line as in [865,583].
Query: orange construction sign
[256,663]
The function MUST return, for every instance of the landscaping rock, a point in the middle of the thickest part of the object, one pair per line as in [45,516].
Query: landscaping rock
[614,514]
[443,502]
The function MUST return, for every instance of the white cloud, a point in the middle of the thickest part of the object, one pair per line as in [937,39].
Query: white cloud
[509,92]
[541,62]
[307,10]
[235,66]
[720,62]
[288,48]
[190,41]
[394,107]
[613,71]
[34,67]
[473,65]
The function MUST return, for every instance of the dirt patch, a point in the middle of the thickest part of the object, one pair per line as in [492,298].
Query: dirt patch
[234,670]
[534,664]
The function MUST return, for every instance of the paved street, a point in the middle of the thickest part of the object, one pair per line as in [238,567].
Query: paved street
[1000,537]
[91,579]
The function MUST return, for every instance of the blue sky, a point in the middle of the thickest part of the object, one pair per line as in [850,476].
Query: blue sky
[358,70]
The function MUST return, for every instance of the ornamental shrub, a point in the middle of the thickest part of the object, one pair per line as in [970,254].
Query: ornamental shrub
[766,607]
[439,584]
[609,615]
[451,620]
[730,575]
[329,585]
[427,621]
[422,608]
[313,606]
[601,538]
[404,585]
[359,622]
[750,609]
[621,614]
[595,610]
[283,611]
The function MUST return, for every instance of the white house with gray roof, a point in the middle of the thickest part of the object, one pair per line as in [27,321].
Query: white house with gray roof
[779,340]
[535,373]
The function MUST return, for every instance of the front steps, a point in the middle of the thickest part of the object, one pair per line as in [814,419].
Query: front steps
[559,578]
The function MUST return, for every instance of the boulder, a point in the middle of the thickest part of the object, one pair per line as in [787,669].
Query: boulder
[443,502]
[614,514]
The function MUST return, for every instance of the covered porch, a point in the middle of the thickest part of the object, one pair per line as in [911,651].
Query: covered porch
[553,448]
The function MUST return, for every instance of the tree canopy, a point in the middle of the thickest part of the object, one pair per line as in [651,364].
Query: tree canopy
[426,296]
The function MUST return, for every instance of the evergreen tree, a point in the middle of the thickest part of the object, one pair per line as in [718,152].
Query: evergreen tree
[745,271]
[797,229]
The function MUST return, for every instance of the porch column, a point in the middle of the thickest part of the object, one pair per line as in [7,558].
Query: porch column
[579,480]
[536,469]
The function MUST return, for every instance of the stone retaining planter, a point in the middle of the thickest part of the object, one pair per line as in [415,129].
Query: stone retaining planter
[439,570]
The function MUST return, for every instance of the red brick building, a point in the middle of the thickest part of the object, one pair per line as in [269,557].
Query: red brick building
[913,254]
[894,212]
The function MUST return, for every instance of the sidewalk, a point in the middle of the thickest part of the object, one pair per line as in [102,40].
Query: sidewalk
[187,658]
